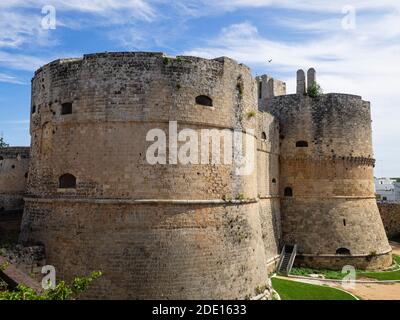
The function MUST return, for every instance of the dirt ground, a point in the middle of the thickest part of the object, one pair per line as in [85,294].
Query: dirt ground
[372,291]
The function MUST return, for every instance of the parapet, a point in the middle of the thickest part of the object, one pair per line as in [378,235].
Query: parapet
[15,152]
[304,85]
[269,88]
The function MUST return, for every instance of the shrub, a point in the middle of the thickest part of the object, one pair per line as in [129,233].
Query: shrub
[62,291]
[251,114]
[315,90]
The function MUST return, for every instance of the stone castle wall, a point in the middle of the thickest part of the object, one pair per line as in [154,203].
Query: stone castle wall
[156,231]
[14,166]
[326,172]
[268,185]
[194,231]
[390,213]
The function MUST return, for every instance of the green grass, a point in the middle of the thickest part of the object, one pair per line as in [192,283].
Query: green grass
[291,290]
[338,275]
[328,274]
[388,275]
[383,275]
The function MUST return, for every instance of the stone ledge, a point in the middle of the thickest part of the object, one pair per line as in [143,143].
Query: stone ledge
[330,197]
[138,201]
[360,255]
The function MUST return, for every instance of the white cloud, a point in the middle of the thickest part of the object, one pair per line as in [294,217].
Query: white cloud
[305,5]
[20,20]
[139,9]
[10,79]
[363,61]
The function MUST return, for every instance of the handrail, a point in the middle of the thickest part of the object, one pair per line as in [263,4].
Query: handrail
[291,260]
[281,258]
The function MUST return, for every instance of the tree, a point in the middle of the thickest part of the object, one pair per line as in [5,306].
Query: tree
[3,144]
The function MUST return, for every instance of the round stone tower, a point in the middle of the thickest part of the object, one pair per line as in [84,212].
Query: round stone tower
[167,230]
[326,168]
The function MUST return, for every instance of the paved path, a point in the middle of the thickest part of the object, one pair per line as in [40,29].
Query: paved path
[367,291]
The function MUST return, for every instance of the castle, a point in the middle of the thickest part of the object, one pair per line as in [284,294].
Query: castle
[199,231]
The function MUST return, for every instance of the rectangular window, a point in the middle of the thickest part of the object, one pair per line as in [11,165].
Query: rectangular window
[66,108]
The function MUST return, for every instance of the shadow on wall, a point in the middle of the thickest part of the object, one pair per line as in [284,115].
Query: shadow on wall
[10,224]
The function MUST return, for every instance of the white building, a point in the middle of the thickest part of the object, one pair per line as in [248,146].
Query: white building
[387,189]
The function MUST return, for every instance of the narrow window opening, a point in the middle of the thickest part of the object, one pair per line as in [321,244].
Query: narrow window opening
[66,108]
[204,101]
[273,180]
[288,192]
[343,251]
[344,222]
[67,181]
[33,109]
[260,90]
[264,136]
[301,144]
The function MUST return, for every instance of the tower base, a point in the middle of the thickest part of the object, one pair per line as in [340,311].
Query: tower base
[336,262]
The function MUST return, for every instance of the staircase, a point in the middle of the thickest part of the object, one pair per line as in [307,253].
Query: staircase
[286,261]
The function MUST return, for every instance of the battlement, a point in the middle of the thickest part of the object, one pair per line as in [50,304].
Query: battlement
[141,86]
[268,88]
[14,152]
[161,57]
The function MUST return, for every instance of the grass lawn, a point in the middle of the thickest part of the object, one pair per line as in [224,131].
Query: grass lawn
[388,275]
[328,274]
[291,290]
[338,275]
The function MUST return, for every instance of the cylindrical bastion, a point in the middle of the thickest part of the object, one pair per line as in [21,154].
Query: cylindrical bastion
[163,231]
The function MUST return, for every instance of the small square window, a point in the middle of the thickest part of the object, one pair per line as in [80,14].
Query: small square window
[66,108]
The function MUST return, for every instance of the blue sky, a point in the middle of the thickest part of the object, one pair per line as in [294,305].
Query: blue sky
[354,45]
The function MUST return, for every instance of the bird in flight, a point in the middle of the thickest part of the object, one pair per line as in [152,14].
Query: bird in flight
[270,61]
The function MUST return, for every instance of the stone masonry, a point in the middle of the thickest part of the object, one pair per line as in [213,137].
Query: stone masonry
[194,231]
[14,165]
[390,213]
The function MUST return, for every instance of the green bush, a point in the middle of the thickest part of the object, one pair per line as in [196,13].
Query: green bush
[315,90]
[62,291]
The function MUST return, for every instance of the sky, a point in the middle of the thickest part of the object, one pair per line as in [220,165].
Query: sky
[354,45]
